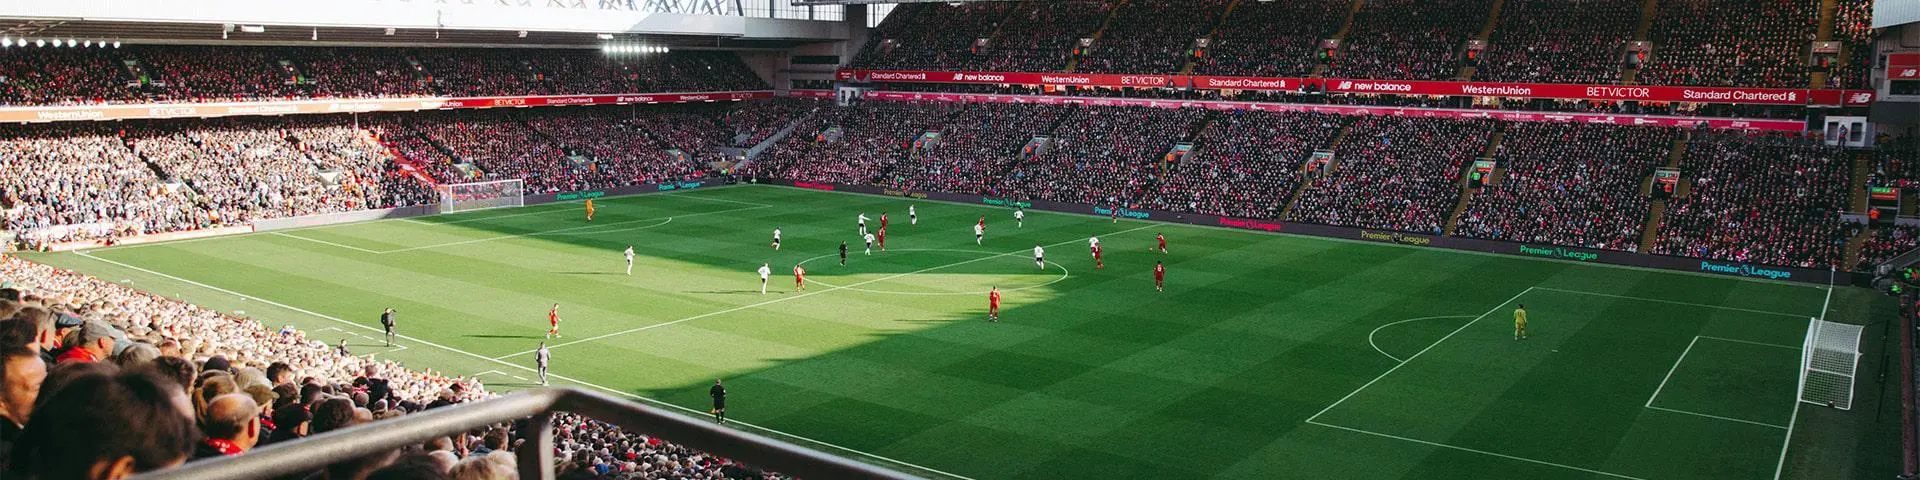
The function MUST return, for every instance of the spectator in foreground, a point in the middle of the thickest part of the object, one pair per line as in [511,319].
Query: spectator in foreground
[103,426]
[232,426]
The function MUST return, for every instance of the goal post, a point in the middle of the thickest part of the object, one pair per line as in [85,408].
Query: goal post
[462,197]
[1828,361]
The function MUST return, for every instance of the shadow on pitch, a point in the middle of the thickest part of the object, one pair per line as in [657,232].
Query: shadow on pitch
[590,273]
[734,292]
[502,336]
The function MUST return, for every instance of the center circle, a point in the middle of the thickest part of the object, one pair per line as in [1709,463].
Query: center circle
[986,256]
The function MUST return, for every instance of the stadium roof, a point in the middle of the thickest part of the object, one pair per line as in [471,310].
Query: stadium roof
[233,34]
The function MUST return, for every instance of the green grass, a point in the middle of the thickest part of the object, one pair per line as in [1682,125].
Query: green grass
[1269,356]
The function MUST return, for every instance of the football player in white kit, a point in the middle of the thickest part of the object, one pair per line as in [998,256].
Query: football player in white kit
[629,254]
[764,272]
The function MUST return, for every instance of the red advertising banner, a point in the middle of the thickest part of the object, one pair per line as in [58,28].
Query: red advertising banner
[1056,79]
[810,93]
[201,110]
[1903,66]
[1834,98]
[1648,93]
[1658,120]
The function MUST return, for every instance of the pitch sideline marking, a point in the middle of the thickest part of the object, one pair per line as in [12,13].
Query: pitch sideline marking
[1422,351]
[1730,419]
[1786,445]
[530,369]
[796,297]
[1376,347]
[1675,302]
[1675,368]
[1482,452]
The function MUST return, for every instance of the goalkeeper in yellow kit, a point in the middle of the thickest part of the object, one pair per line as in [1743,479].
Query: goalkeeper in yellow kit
[1520,323]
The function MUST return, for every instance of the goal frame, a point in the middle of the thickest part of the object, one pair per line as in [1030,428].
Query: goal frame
[504,194]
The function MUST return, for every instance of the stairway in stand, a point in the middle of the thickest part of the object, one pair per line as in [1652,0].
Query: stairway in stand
[1466,186]
[1657,211]
[1301,186]
[1104,24]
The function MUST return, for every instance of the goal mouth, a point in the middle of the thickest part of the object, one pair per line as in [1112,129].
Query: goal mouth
[1828,362]
[466,197]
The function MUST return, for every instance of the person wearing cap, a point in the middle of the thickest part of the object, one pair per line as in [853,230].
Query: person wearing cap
[92,341]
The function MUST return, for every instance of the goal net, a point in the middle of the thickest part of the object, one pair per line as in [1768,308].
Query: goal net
[1828,360]
[461,197]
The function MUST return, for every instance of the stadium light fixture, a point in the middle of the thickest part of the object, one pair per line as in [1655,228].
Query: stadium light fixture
[389,30]
[89,44]
[39,42]
[6,42]
[116,44]
[72,43]
[605,36]
[253,28]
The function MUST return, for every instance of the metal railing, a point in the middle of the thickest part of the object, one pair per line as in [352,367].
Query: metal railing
[536,456]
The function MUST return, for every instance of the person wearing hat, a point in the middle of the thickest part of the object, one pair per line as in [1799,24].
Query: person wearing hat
[91,342]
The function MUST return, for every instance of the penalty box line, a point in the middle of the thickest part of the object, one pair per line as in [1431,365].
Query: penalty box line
[797,297]
[617,392]
[1683,358]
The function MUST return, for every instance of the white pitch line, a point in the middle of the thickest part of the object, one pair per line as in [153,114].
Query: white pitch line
[1422,351]
[1376,347]
[531,369]
[1482,452]
[1786,444]
[1675,302]
[1750,342]
[796,297]
[1717,417]
[324,242]
[1675,368]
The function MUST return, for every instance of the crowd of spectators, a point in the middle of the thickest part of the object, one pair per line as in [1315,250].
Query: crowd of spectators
[104,381]
[155,73]
[1763,198]
[977,144]
[1103,156]
[1559,41]
[1152,36]
[852,144]
[1409,39]
[1896,163]
[1041,36]
[1395,173]
[1571,184]
[1853,28]
[1731,43]
[755,122]
[1887,242]
[78,181]
[934,36]
[1247,164]
[1272,39]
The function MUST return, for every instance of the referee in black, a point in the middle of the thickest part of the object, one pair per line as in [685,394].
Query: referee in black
[719,394]
[386,320]
[843,252]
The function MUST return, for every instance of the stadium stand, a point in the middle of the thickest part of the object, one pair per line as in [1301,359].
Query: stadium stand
[851,145]
[1395,173]
[1409,39]
[1103,156]
[1559,41]
[1569,184]
[1770,199]
[299,384]
[1040,36]
[1728,43]
[977,144]
[1272,39]
[934,36]
[1248,166]
[1151,36]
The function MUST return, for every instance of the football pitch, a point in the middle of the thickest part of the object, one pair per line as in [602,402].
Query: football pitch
[1268,356]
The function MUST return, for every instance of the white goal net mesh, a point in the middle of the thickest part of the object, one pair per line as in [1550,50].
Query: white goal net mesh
[461,197]
[1828,361]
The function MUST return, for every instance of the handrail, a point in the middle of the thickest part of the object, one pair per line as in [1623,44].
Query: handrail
[536,455]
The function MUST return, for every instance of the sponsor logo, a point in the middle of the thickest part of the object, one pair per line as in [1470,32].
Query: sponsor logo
[569,100]
[1619,92]
[904,193]
[263,109]
[180,111]
[1396,237]
[1376,86]
[1005,202]
[87,114]
[680,186]
[695,98]
[899,76]
[639,99]
[815,186]
[1861,98]
[579,195]
[1788,96]
[1273,83]
[1909,73]
[507,102]
[1151,80]
[1249,224]
[1073,80]
[1744,270]
[1128,213]
[1559,252]
[1502,90]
